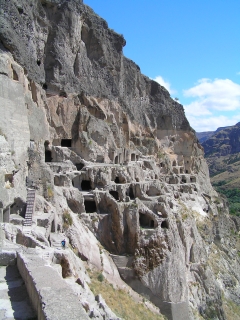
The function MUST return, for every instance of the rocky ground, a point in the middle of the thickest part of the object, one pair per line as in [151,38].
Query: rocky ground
[117,170]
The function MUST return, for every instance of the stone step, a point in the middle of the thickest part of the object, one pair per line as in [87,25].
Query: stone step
[31,193]
[122,261]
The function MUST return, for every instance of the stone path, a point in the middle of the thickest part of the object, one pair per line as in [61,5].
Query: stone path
[14,300]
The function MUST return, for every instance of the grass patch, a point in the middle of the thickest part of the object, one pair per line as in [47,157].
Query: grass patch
[67,219]
[119,301]
[231,309]
[50,192]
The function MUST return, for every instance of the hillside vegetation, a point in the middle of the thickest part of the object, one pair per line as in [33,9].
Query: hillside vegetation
[222,151]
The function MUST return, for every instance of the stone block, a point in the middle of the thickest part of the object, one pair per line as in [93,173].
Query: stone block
[8,257]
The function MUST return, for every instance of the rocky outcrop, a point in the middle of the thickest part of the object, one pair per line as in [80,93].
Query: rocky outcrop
[116,166]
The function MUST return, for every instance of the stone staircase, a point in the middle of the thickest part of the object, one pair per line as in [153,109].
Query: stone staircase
[122,261]
[124,265]
[30,207]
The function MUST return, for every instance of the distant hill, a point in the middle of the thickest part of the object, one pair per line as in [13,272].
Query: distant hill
[225,141]
[222,152]
[203,136]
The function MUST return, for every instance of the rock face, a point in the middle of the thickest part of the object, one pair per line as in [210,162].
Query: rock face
[113,158]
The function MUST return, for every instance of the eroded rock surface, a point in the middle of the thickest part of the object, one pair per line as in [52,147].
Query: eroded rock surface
[117,168]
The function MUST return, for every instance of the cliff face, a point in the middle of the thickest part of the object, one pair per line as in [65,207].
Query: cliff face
[101,141]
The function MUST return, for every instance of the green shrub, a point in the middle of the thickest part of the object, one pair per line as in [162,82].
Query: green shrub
[67,219]
[100,277]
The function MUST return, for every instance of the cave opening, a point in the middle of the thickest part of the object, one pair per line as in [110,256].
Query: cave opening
[145,221]
[132,157]
[164,224]
[117,180]
[116,160]
[86,185]
[79,166]
[48,156]
[63,94]
[90,206]
[153,191]
[66,143]
[48,153]
[131,194]
[184,180]
[114,194]
[9,178]
[20,10]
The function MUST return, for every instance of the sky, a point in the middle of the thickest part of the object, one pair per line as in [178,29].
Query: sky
[192,48]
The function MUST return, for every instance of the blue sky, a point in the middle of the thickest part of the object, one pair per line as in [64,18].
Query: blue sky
[190,47]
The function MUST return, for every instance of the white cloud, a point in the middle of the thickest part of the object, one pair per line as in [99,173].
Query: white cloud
[238,73]
[164,83]
[219,94]
[212,123]
[212,100]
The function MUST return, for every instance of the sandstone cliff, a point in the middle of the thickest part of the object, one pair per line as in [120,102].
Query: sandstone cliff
[114,162]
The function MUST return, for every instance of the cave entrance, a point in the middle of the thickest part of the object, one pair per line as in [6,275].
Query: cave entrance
[114,194]
[48,153]
[153,191]
[116,160]
[117,180]
[9,179]
[79,166]
[90,206]
[193,179]
[86,185]
[131,194]
[132,157]
[164,224]
[48,156]
[184,180]
[66,143]
[145,221]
